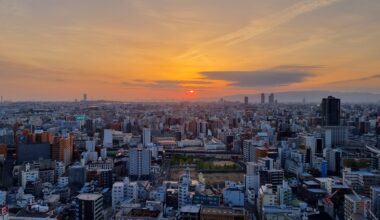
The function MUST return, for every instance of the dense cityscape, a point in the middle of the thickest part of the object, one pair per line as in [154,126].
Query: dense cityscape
[189,110]
[190,160]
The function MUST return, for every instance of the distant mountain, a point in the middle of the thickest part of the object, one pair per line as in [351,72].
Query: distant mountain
[310,96]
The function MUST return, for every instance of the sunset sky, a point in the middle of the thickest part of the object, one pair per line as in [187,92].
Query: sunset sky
[162,49]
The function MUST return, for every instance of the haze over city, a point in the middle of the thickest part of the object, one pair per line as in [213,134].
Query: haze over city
[147,50]
[189,110]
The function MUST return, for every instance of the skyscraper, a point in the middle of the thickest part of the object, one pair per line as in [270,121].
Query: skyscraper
[89,206]
[262,98]
[62,149]
[330,110]
[147,137]
[139,163]
[271,99]
[84,97]
[108,138]
[249,151]
[183,188]
[246,100]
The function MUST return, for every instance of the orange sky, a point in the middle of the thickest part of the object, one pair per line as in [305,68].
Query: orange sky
[159,50]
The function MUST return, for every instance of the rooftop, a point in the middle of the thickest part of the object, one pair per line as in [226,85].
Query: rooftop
[224,211]
[191,209]
[89,196]
[143,213]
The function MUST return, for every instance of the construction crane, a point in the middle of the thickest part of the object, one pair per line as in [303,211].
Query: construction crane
[328,197]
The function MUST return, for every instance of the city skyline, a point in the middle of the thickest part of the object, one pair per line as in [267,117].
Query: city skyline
[186,50]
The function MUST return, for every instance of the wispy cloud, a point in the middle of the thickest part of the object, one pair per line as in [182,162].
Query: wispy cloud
[258,27]
[366,78]
[165,84]
[277,76]
[12,70]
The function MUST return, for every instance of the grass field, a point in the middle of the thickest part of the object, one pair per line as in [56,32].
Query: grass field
[211,178]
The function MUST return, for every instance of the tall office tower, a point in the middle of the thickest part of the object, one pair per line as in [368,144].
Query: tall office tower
[62,149]
[77,174]
[246,100]
[330,110]
[89,206]
[107,138]
[252,179]
[271,99]
[183,189]
[147,137]
[375,201]
[84,97]
[262,98]
[378,132]
[249,151]
[201,128]
[139,163]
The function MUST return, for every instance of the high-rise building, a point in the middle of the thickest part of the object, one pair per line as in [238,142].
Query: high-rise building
[252,178]
[147,137]
[77,174]
[330,111]
[84,97]
[273,177]
[33,146]
[62,149]
[183,189]
[117,194]
[33,152]
[355,206]
[246,100]
[262,98]
[201,129]
[108,138]
[89,206]
[131,190]
[271,99]
[361,181]
[139,163]
[249,151]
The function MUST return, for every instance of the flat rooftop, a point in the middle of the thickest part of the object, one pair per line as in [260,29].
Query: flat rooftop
[89,196]
[191,209]
[224,211]
[143,213]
